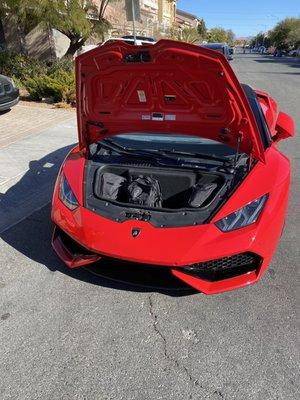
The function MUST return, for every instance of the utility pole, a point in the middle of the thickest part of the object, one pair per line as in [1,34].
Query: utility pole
[133,21]
[133,13]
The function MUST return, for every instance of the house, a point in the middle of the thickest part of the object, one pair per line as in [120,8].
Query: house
[186,20]
[157,17]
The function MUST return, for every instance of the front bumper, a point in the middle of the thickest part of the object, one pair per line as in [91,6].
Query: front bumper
[210,277]
[174,248]
[179,247]
[8,104]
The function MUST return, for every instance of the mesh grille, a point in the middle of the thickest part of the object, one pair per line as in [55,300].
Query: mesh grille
[226,267]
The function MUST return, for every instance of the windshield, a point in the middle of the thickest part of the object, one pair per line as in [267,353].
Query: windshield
[173,142]
[216,48]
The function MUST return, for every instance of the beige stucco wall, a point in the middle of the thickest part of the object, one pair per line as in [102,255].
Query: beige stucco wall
[39,43]
[61,43]
[156,15]
[167,11]
[36,43]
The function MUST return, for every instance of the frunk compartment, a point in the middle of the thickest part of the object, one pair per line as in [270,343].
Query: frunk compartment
[178,188]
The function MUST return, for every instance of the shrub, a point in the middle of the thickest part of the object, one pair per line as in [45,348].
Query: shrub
[41,79]
[66,64]
[60,85]
[20,66]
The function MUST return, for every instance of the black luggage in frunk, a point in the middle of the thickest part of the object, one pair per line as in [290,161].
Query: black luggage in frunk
[201,194]
[110,186]
[145,190]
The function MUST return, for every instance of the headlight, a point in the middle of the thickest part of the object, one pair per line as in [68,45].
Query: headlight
[242,217]
[12,82]
[66,194]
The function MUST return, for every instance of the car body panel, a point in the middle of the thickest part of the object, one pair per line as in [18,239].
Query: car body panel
[9,104]
[185,245]
[181,88]
[270,109]
[179,247]
[9,94]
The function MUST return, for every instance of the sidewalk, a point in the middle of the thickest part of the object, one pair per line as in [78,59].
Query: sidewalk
[33,143]
[27,119]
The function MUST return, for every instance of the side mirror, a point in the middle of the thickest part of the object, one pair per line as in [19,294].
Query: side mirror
[285,127]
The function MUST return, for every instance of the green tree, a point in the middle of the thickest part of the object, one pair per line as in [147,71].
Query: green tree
[294,36]
[217,35]
[286,34]
[230,37]
[189,35]
[261,39]
[101,26]
[201,28]
[77,19]
[70,18]
[22,13]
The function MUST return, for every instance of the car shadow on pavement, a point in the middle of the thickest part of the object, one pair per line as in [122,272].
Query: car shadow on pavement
[4,112]
[32,237]
[292,62]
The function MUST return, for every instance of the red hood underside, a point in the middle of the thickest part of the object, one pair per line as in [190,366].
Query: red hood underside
[169,87]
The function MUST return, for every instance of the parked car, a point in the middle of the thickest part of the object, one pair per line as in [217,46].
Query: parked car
[9,94]
[220,47]
[147,39]
[177,166]
[231,50]
[280,53]
[294,53]
[262,50]
[86,48]
[140,40]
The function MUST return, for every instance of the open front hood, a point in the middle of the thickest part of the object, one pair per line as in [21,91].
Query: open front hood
[169,87]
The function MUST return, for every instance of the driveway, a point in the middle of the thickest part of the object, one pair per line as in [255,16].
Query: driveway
[27,119]
[74,335]
[34,140]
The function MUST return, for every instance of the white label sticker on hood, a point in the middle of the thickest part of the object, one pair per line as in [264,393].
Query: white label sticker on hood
[142,96]
[170,117]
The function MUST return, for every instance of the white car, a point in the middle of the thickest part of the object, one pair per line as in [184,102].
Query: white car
[140,40]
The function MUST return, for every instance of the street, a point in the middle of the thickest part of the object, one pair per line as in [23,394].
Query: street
[72,334]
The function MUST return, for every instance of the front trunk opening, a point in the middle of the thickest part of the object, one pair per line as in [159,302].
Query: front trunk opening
[131,178]
[156,188]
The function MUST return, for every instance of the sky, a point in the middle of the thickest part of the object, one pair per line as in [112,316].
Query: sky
[245,18]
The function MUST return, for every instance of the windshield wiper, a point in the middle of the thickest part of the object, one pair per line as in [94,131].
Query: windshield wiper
[196,155]
[161,155]
[111,145]
[115,147]
[169,152]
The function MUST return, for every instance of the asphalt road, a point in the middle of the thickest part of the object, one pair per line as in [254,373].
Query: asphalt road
[72,335]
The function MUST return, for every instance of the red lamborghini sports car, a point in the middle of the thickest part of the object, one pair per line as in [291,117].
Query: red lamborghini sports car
[177,167]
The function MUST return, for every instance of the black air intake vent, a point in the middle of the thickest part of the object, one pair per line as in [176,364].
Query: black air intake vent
[226,267]
[139,57]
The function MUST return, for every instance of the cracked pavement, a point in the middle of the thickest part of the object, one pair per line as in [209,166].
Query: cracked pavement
[74,335]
